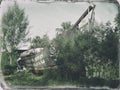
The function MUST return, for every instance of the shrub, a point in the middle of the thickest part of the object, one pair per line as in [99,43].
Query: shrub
[84,81]
[6,67]
[9,69]
[51,74]
[26,78]
[112,83]
[97,82]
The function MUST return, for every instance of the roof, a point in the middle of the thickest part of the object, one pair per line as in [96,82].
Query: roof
[31,51]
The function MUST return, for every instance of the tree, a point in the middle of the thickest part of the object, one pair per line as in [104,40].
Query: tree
[88,53]
[107,50]
[38,42]
[45,41]
[14,28]
[117,20]
[70,56]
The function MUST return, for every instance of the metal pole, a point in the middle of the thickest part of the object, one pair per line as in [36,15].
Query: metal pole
[83,16]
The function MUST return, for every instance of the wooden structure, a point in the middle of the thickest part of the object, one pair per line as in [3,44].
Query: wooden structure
[35,59]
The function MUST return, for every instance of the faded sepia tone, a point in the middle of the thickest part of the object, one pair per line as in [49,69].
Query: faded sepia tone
[59,44]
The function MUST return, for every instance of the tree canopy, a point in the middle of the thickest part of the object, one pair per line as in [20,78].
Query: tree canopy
[14,27]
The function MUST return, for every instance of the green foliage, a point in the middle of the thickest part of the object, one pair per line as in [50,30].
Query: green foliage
[4,59]
[14,28]
[43,42]
[29,79]
[98,82]
[14,25]
[110,44]
[90,54]
[65,26]
[38,42]
[6,68]
[85,58]
[50,74]
[112,83]
[23,78]
[9,69]
[88,58]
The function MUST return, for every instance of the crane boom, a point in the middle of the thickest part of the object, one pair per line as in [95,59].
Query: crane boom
[0,2]
[83,15]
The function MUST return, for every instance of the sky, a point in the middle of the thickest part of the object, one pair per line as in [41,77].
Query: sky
[45,18]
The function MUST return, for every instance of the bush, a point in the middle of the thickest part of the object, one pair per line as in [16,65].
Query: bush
[4,60]
[26,78]
[5,64]
[51,74]
[91,82]
[97,82]
[112,83]
[84,81]
[9,69]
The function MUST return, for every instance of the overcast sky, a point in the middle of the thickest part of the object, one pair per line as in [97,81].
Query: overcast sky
[45,18]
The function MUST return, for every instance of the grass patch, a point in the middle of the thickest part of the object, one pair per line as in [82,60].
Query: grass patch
[30,79]
[24,78]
